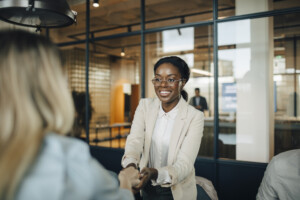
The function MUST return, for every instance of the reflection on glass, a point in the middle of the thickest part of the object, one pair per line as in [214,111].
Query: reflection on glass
[113,88]
[259,88]
[244,104]
[184,40]
[286,83]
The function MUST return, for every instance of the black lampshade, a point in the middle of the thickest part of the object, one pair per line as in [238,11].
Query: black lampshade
[37,13]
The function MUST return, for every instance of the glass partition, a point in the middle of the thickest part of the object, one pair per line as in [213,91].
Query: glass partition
[114,89]
[114,76]
[245,88]
[258,86]
[286,77]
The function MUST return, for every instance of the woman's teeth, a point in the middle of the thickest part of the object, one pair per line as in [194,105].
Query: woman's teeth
[164,93]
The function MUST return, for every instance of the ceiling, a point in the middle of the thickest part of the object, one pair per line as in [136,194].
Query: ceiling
[121,16]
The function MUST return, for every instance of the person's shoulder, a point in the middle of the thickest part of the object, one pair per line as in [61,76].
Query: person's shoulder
[68,147]
[59,156]
[287,155]
[284,161]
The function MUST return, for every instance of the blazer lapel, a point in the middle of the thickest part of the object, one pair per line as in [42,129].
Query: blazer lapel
[150,123]
[177,130]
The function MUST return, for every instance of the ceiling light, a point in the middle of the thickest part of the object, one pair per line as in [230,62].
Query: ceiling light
[122,52]
[37,13]
[96,3]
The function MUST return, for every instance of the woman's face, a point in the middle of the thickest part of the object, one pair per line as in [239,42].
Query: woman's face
[168,93]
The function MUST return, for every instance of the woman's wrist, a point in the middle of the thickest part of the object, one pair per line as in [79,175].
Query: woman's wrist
[124,182]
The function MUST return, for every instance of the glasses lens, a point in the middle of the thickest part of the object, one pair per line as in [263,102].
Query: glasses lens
[155,82]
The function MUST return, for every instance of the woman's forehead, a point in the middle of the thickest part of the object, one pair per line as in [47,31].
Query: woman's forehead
[167,69]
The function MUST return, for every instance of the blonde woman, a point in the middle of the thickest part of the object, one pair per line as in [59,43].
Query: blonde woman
[36,111]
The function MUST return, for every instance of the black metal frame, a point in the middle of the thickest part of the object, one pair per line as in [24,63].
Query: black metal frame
[87,64]
[216,92]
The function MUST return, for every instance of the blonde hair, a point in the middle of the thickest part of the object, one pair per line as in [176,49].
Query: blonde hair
[34,100]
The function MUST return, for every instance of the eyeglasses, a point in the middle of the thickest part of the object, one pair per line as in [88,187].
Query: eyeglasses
[169,81]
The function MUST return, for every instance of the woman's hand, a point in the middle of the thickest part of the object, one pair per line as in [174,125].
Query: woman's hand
[146,175]
[129,178]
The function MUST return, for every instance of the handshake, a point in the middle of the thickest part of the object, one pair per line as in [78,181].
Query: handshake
[131,179]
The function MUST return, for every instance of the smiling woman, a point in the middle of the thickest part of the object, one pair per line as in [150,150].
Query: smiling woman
[176,73]
[165,136]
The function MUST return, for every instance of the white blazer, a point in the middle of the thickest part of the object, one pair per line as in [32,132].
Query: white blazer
[183,149]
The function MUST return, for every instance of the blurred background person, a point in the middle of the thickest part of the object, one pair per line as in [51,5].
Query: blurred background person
[80,112]
[36,110]
[199,102]
[282,178]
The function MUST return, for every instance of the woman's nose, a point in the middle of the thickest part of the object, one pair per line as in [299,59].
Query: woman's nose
[164,83]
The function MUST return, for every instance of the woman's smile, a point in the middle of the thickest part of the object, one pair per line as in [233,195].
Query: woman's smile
[164,93]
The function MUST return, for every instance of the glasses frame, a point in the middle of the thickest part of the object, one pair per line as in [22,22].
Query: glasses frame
[155,83]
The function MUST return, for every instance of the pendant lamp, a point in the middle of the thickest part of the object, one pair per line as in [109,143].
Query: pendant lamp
[37,13]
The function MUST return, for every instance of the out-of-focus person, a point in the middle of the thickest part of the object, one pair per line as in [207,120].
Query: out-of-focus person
[199,102]
[80,114]
[281,180]
[36,110]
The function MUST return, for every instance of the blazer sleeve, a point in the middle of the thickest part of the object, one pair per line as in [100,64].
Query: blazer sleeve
[135,140]
[184,163]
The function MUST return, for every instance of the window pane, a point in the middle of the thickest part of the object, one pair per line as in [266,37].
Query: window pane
[286,82]
[259,79]
[194,45]
[74,62]
[114,89]
[110,73]
[244,90]
[229,8]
